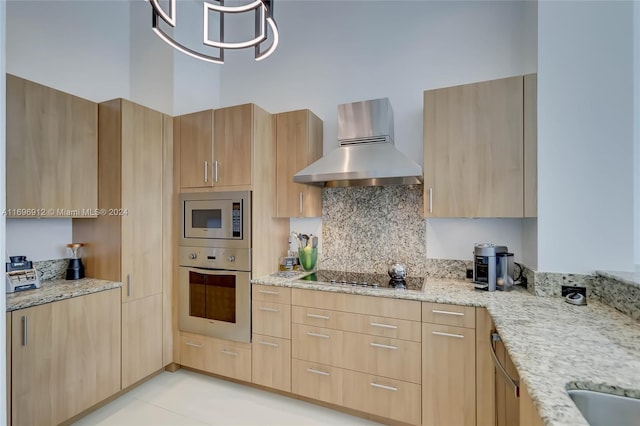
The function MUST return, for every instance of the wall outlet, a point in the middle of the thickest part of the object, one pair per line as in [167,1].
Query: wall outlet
[566,289]
[469,273]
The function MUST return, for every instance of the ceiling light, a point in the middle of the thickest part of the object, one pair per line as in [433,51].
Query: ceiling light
[212,49]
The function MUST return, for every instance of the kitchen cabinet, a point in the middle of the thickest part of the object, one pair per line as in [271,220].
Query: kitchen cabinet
[473,150]
[8,364]
[132,242]
[52,152]
[195,134]
[448,366]
[530,145]
[217,356]
[65,357]
[298,144]
[528,412]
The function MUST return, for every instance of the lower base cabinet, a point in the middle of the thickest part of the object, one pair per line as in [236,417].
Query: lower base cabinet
[271,362]
[217,356]
[316,381]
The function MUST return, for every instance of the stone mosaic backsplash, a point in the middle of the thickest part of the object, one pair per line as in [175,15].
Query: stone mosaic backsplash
[51,269]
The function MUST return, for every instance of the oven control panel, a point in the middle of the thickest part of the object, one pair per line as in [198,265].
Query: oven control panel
[215,258]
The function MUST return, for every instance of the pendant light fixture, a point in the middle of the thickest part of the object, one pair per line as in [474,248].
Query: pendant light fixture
[212,50]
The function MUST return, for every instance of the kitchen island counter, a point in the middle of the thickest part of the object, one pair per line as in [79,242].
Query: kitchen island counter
[58,289]
[554,345]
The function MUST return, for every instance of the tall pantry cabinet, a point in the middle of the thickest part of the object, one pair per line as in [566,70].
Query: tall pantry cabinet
[131,239]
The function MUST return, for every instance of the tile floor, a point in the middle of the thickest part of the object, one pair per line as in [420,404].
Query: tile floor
[188,398]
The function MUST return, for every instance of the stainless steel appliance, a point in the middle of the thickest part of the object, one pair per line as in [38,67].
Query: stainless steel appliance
[485,265]
[214,260]
[21,275]
[357,279]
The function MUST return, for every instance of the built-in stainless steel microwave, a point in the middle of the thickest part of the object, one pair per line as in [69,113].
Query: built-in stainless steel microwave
[215,219]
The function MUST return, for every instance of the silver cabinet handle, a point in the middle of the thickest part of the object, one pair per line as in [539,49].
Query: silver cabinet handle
[25,330]
[378,345]
[206,171]
[314,371]
[430,200]
[226,352]
[458,314]
[195,345]
[495,337]
[439,333]
[377,385]
[324,317]
[268,292]
[300,202]
[377,324]
[128,285]
[273,345]
[324,336]
[268,309]
[215,175]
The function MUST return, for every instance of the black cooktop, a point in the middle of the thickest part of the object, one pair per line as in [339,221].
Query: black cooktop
[357,279]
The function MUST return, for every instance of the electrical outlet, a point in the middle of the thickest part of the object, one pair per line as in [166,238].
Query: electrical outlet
[469,273]
[566,289]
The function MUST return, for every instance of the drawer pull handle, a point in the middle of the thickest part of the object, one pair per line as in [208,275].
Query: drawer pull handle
[314,371]
[273,345]
[324,336]
[377,324]
[459,314]
[226,352]
[268,292]
[439,333]
[324,317]
[269,309]
[195,345]
[377,385]
[378,345]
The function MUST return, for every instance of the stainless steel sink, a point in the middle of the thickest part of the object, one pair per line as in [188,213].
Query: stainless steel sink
[603,409]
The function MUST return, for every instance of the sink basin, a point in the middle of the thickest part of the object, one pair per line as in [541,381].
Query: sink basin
[603,409]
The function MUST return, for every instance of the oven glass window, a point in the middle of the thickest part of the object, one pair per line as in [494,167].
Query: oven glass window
[209,218]
[212,296]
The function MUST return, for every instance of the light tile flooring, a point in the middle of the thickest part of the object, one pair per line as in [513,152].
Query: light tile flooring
[188,398]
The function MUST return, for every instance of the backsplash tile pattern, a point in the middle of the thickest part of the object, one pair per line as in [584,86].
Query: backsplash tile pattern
[618,293]
[51,269]
[550,284]
[372,227]
[448,268]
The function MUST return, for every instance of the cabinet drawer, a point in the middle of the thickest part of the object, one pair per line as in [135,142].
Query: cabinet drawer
[357,323]
[316,344]
[271,319]
[317,381]
[367,305]
[393,358]
[271,362]
[393,399]
[455,315]
[228,360]
[268,293]
[192,351]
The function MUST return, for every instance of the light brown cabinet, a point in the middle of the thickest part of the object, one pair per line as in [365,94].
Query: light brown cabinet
[52,152]
[218,356]
[65,357]
[132,245]
[528,415]
[448,368]
[298,144]
[530,145]
[473,150]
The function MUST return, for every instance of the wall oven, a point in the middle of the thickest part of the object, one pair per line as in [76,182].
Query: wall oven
[214,258]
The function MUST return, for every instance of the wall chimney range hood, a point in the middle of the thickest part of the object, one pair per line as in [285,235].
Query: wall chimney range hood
[366,156]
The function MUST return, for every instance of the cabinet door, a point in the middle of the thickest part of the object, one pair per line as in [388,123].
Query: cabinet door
[196,149]
[271,362]
[473,150]
[141,339]
[233,133]
[52,151]
[298,144]
[531,145]
[448,375]
[142,201]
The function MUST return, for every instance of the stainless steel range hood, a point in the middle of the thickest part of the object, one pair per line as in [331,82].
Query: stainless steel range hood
[366,156]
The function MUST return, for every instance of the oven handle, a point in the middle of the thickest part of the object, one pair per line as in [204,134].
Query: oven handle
[221,271]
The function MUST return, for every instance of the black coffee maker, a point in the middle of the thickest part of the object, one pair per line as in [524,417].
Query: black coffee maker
[75,270]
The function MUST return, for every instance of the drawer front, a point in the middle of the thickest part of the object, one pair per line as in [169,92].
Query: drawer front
[384,397]
[192,351]
[392,358]
[271,319]
[316,344]
[228,360]
[268,293]
[357,323]
[454,315]
[317,381]
[271,362]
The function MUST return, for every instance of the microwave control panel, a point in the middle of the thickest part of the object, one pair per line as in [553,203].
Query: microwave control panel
[237,219]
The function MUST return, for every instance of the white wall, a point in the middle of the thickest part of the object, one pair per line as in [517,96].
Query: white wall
[585,136]
[3,364]
[636,136]
[38,239]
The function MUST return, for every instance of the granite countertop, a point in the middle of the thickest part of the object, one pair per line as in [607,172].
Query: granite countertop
[554,345]
[57,289]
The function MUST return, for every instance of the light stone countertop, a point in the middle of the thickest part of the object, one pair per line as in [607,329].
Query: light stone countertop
[554,345]
[58,289]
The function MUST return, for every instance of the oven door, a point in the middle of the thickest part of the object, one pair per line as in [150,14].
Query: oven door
[215,303]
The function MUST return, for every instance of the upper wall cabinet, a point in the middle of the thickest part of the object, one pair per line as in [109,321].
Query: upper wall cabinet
[531,145]
[298,144]
[473,150]
[52,152]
